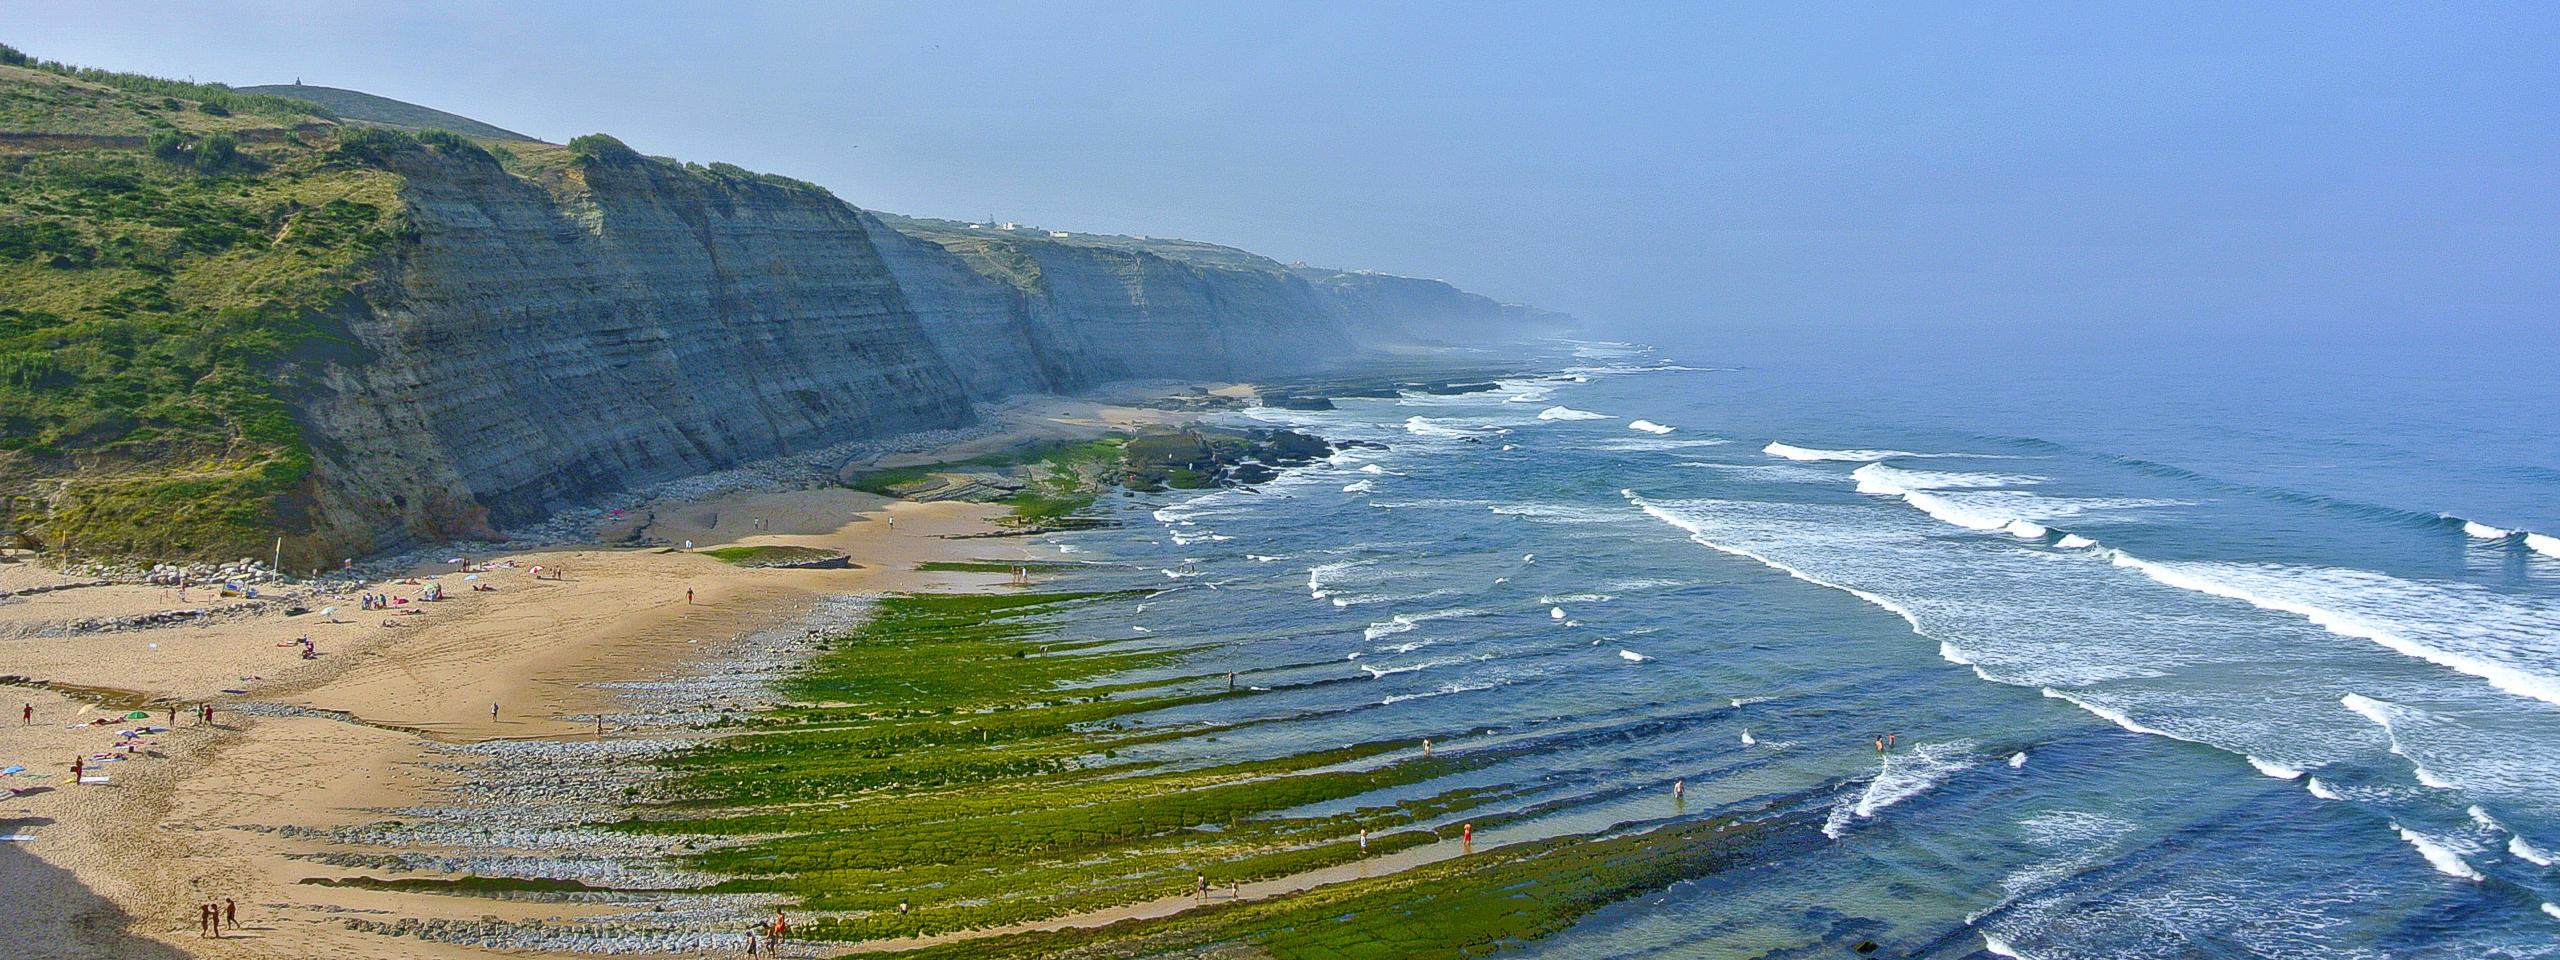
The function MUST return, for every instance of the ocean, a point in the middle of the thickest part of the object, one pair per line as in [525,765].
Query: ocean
[2177,657]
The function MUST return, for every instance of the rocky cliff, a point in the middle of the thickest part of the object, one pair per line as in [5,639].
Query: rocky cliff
[530,345]
[545,334]
[246,316]
[1405,309]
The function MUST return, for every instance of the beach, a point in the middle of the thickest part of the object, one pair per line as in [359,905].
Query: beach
[203,811]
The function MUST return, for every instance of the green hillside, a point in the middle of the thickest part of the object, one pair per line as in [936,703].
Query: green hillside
[364,107]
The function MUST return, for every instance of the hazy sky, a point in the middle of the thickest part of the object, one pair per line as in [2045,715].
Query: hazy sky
[1975,169]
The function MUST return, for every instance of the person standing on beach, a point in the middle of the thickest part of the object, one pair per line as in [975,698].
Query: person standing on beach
[76,767]
[27,715]
[204,919]
[493,713]
[1467,834]
[231,912]
[1364,841]
[688,596]
[1201,891]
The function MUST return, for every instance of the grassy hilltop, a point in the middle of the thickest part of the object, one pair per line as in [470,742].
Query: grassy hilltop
[166,249]
[176,264]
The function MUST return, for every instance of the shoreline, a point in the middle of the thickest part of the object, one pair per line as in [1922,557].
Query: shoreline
[297,748]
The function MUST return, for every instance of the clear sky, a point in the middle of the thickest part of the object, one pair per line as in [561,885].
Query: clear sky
[1982,169]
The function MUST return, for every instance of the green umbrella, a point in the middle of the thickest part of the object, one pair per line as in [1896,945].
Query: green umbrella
[137,715]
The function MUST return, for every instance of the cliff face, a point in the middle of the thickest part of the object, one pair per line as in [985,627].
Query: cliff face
[260,320]
[1390,308]
[526,350]
[1018,314]
[533,342]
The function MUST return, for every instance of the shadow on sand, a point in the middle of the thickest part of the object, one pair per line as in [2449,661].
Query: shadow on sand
[50,916]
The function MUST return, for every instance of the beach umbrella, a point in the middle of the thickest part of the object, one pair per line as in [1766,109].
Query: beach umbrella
[4,771]
[138,715]
[330,612]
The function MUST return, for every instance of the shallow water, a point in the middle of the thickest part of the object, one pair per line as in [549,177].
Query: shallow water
[2167,674]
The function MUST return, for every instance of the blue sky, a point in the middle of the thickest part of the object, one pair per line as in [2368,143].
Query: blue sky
[1888,169]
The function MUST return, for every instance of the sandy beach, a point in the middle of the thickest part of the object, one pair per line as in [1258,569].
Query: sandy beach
[188,811]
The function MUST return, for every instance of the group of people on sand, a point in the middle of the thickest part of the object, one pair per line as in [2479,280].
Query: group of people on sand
[212,917]
[772,931]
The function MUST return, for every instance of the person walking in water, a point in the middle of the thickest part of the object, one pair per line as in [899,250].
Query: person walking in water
[1879,744]
[1679,789]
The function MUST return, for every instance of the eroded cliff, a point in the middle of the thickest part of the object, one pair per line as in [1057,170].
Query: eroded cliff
[532,344]
[360,338]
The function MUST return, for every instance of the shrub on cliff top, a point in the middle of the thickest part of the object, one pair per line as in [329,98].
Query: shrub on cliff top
[600,148]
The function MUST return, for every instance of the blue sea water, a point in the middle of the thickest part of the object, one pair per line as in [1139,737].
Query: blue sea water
[2180,657]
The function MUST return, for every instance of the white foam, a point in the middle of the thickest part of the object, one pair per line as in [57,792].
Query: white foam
[2114,716]
[2552,909]
[2073,541]
[1360,486]
[2321,790]
[1577,598]
[2438,855]
[1444,690]
[2276,770]
[1997,947]
[1405,622]
[1793,452]
[1741,702]
[2526,851]
[1902,777]
[1649,426]
[1887,478]
[2484,531]
[1430,427]
[2459,626]
[2543,544]
[2024,530]
[2018,759]
[1632,656]
[1746,737]
[2391,717]
[1558,513]
[1555,613]
[1569,413]
[1697,534]
[1378,470]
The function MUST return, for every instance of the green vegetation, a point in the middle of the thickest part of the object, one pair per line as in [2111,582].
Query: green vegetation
[772,556]
[211,99]
[1465,907]
[156,299]
[358,106]
[956,753]
[1060,478]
